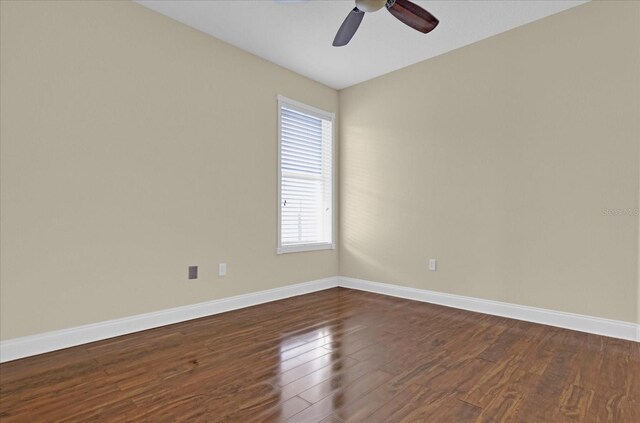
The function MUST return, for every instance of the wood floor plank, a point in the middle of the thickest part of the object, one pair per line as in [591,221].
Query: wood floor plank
[336,382]
[395,410]
[334,356]
[335,369]
[451,410]
[575,403]
[342,401]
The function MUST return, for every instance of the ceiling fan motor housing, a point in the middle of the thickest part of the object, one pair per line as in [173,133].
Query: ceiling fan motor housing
[370,5]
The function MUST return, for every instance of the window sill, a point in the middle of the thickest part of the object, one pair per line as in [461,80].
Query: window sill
[305,247]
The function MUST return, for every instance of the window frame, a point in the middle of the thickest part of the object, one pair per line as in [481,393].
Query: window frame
[321,114]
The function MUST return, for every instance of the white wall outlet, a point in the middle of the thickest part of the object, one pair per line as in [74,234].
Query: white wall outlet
[433,264]
[222,269]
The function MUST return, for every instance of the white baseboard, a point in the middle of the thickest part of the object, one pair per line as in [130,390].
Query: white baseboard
[16,348]
[578,322]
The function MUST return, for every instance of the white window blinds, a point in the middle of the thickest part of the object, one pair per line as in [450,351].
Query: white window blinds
[306,177]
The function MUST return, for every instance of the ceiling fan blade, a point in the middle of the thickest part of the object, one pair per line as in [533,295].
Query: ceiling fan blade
[348,27]
[413,15]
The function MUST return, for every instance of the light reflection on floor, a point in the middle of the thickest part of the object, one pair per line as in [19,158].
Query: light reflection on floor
[301,355]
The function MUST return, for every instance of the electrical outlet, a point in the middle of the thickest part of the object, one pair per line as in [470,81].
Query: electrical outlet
[433,264]
[193,272]
[222,269]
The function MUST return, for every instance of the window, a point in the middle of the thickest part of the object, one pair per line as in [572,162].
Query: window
[305,174]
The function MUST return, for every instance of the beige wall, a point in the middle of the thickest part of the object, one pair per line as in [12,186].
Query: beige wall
[498,159]
[132,147]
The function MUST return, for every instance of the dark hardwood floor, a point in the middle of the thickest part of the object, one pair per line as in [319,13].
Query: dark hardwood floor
[333,356]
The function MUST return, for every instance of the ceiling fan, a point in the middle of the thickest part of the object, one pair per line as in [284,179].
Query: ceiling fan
[407,12]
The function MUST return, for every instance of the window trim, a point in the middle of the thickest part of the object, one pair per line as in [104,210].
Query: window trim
[321,114]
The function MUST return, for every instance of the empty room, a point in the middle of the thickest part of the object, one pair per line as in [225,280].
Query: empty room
[320,211]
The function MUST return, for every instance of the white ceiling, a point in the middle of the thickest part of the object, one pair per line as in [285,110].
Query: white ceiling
[298,34]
